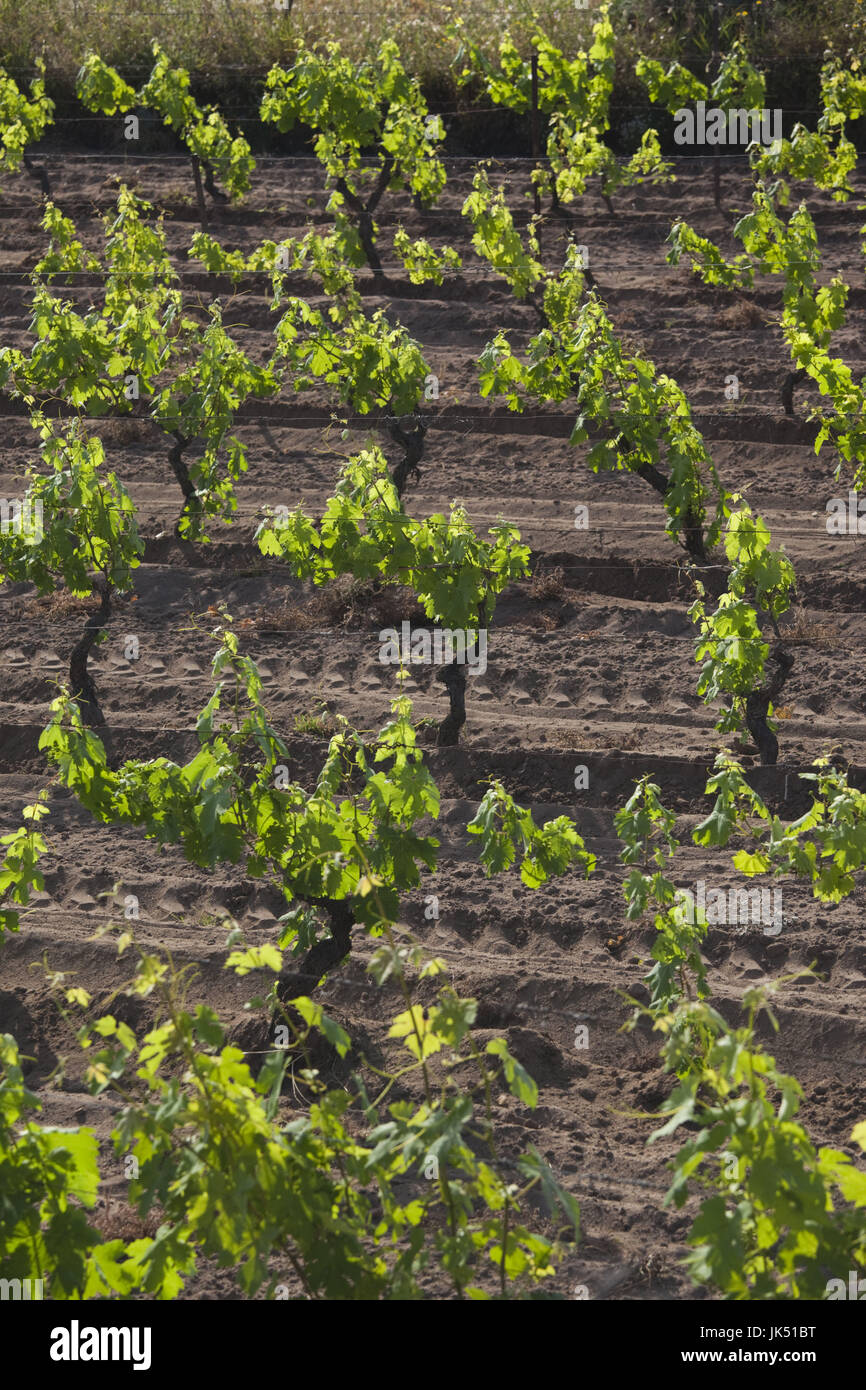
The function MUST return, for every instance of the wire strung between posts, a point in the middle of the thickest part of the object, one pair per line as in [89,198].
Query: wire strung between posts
[527,519]
[159,157]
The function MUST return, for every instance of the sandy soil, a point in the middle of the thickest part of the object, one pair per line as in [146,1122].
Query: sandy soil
[602,673]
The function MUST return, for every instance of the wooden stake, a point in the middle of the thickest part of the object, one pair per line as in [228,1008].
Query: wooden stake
[715,63]
[199,192]
[536,137]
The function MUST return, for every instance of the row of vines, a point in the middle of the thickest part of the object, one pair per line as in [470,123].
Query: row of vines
[369,1196]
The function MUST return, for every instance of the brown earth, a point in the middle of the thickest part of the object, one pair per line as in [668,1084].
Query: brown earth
[601,672]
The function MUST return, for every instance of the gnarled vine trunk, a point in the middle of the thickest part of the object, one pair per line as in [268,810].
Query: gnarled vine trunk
[693,531]
[453,678]
[364,213]
[199,192]
[411,441]
[216,193]
[181,472]
[256,1035]
[758,705]
[325,954]
[80,681]
[38,174]
[787,393]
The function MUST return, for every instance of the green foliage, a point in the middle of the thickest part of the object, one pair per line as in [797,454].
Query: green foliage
[646,828]
[364,531]
[645,165]
[576,155]
[504,826]
[138,344]
[496,239]
[756,568]
[845,423]
[166,91]
[219,261]
[646,421]
[824,156]
[644,415]
[423,262]
[707,260]
[87,521]
[212,378]
[78,528]
[75,357]
[20,871]
[773,247]
[203,131]
[735,800]
[370,363]
[738,83]
[843,92]
[672,88]
[22,121]
[548,371]
[354,837]
[578,86]
[807,155]
[65,253]
[322,1200]
[50,1179]
[730,644]
[101,88]
[352,1199]
[777,247]
[574,94]
[329,258]
[781,1217]
[810,316]
[825,846]
[373,107]
[352,108]
[778,1217]
[84,358]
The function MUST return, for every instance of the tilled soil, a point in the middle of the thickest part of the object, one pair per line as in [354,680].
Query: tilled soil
[595,667]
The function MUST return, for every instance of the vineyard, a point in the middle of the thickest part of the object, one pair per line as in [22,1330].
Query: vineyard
[433,734]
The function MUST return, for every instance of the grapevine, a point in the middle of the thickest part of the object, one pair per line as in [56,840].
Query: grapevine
[373,105]
[23,121]
[83,534]
[364,531]
[212,148]
[731,645]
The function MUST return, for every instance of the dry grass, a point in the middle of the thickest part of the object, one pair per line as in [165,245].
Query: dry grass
[547,584]
[62,604]
[624,742]
[208,35]
[51,608]
[225,41]
[808,632]
[744,314]
[345,603]
[124,431]
[321,724]
[119,1221]
[545,622]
